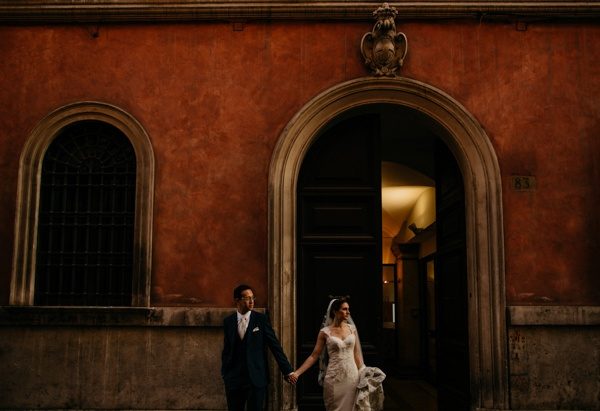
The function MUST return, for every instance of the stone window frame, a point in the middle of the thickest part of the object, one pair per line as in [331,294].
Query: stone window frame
[478,163]
[28,196]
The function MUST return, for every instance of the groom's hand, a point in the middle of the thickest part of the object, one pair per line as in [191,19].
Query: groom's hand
[291,378]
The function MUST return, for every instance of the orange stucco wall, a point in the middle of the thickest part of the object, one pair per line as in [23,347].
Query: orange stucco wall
[214,101]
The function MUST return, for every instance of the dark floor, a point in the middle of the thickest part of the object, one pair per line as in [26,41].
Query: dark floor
[408,395]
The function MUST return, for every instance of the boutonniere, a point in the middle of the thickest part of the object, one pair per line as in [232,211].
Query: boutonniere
[255,329]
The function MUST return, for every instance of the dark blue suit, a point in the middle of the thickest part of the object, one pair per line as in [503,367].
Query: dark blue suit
[244,366]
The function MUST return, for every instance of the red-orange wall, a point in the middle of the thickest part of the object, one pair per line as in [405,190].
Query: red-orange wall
[214,101]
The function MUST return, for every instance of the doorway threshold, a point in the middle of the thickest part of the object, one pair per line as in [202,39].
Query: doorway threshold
[409,395]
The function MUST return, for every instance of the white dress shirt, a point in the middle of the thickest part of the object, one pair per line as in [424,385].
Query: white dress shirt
[243,321]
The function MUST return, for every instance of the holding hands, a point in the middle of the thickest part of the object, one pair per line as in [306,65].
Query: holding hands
[292,378]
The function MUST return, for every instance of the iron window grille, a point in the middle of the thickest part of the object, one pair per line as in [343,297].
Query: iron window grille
[86,218]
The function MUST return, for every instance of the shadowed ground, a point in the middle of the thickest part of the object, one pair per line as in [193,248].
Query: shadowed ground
[408,395]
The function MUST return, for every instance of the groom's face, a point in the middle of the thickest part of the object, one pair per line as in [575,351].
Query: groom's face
[246,302]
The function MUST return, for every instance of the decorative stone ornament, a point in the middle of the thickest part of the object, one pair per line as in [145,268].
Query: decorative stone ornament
[383,49]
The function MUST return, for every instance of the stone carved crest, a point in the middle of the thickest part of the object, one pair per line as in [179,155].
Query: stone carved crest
[383,49]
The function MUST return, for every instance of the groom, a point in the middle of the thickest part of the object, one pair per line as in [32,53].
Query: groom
[244,359]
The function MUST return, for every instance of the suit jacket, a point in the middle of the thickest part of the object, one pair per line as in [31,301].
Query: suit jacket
[259,336]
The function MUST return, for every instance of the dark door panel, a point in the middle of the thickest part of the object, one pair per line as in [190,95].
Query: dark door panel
[339,239]
[338,216]
[345,157]
[452,332]
[340,270]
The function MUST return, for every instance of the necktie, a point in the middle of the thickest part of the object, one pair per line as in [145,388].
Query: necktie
[242,325]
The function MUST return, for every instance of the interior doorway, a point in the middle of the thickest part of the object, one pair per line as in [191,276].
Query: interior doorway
[367,189]
[474,159]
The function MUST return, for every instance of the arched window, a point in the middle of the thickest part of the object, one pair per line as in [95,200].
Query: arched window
[85,207]
[86,218]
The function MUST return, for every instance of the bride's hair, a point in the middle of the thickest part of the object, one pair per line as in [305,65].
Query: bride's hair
[335,305]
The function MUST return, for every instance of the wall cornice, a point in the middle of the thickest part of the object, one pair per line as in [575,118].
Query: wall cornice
[124,11]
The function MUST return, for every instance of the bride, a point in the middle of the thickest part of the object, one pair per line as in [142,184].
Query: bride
[347,384]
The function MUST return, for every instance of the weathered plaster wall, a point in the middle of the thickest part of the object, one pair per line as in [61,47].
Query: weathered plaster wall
[554,357]
[214,100]
[110,368]
[555,367]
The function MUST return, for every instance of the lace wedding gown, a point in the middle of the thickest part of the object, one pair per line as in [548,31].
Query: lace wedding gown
[341,379]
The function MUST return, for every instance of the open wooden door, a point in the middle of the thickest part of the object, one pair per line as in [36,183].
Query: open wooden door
[339,239]
[451,288]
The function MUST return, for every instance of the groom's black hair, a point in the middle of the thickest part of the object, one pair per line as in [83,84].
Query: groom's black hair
[237,291]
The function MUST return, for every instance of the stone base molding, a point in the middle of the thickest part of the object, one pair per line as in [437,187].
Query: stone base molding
[554,315]
[116,316]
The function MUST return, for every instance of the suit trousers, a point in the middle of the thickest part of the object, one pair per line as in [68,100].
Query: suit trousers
[237,398]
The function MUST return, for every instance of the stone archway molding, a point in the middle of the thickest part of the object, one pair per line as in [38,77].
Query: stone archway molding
[485,247]
[23,270]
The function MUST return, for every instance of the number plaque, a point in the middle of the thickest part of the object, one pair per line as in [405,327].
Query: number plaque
[522,183]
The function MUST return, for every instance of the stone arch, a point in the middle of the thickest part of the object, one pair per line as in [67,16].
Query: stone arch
[485,253]
[28,193]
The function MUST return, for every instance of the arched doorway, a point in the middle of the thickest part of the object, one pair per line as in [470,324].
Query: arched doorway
[476,160]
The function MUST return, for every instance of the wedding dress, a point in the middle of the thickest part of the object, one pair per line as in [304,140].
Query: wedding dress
[341,378]
[345,387]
